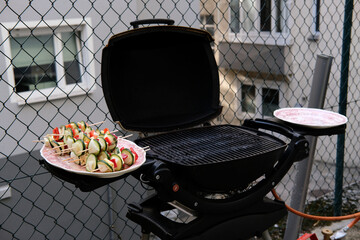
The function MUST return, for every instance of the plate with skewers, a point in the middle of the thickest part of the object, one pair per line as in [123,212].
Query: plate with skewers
[86,151]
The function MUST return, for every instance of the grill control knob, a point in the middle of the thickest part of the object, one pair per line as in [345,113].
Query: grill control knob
[175,187]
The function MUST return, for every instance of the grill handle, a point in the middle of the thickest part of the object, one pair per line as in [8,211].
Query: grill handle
[136,23]
[271,126]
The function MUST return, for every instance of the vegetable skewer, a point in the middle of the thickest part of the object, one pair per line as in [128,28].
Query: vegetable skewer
[95,150]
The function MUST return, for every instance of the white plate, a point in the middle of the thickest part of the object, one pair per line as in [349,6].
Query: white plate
[310,117]
[57,161]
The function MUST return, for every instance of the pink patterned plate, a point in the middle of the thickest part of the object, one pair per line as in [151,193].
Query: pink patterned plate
[58,161]
[310,117]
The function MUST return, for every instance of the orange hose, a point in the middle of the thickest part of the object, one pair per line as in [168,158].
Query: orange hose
[350,225]
[321,218]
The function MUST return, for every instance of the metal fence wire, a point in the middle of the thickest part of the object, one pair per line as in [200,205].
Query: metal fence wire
[50,53]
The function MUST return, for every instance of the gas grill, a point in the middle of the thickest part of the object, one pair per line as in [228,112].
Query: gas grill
[163,81]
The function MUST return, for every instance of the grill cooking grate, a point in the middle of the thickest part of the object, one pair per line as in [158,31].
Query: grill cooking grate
[209,145]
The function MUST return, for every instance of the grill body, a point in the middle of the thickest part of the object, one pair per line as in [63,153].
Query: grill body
[165,79]
[216,158]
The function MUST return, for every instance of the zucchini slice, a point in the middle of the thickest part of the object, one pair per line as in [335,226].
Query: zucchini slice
[94,146]
[103,155]
[98,132]
[130,159]
[118,162]
[102,143]
[74,125]
[91,163]
[105,165]
[116,151]
[113,141]
[70,141]
[68,132]
[61,132]
[56,146]
[47,142]
[82,125]
[88,129]
[75,158]
[78,147]
[86,138]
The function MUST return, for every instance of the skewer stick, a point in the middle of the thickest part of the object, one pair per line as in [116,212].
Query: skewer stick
[74,160]
[96,123]
[84,150]
[66,159]
[147,148]
[126,136]
[38,140]
[62,146]
[114,131]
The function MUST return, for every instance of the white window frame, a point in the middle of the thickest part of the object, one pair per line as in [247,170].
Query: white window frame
[314,33]
[262,37]
[62,90]
[259,85]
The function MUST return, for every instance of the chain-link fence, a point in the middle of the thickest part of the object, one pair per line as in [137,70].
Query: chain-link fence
[50,75]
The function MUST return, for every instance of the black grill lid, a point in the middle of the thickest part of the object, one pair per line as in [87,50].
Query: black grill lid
[160,78]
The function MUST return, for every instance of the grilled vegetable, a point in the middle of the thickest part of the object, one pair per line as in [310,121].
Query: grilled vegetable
[91,163]
[56,134]
[116,151]
[130,158]
[68,132]
[75,158]
[87,130]
[105,165]
[69,141]
[118,162]
[111,141]
[47,142]
[74,125]
[82,126]
[103,155]
[78,147]
[94,146]
[102,143]
[55,145]
[61,132]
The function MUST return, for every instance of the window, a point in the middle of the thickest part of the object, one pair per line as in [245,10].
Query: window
[317,16]
[270,101]
[208,23]
[248,98]
[250,18]
[258,100]
[315,27]
[48,64]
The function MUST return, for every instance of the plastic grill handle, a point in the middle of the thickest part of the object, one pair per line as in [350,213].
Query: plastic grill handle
[136,23]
